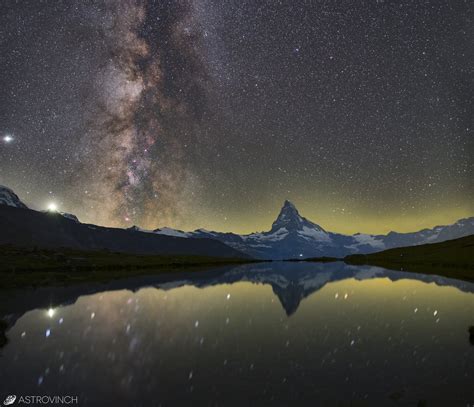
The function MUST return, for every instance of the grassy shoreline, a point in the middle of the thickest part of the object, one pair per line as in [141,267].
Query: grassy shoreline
[452,258]
[21,267]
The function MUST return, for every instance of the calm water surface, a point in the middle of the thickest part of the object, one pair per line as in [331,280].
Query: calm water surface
[266,334]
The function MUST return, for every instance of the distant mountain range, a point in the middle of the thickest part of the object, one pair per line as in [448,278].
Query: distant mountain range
[291,236]
[20,226]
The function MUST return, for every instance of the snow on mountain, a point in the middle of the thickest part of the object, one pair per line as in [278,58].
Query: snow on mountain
[290,219]
[9,198]
[275,236]
[362,239]
[463,227]
[314,234]
[293,236]
[172,232]
[161,231]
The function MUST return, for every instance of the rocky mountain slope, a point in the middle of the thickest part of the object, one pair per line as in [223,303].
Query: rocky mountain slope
[23,227]
[293,236]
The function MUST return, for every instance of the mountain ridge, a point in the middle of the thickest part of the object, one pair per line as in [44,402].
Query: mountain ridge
[24,227]
[9,198]
[294,236]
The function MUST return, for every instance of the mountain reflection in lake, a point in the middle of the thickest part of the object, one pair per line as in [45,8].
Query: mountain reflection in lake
[265,334]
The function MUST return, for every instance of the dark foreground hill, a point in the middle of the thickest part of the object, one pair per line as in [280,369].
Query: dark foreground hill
[291,236]
[22,227]
[453,258]
[21,266]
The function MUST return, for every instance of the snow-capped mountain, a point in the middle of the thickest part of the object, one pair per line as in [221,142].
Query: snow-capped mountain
[9,198]
[293,236]
[23,227]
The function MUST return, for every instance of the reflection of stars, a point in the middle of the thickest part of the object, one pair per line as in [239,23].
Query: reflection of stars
[7,138]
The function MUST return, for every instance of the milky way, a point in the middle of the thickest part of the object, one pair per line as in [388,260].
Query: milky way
[205,113]
[137,157]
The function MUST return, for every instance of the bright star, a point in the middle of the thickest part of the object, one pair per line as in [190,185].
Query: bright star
[7,138]
[52,207]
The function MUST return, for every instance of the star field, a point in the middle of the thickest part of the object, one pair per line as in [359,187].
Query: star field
[209,113]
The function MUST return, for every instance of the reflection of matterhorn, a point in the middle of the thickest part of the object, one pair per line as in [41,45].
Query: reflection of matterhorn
[291,283]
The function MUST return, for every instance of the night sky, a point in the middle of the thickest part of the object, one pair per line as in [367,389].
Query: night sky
[210,113]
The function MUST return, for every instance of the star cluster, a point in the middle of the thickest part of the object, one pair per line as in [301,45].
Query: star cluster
[205,113]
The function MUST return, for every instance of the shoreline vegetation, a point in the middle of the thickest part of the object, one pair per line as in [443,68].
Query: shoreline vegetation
[452,258]
[20,267]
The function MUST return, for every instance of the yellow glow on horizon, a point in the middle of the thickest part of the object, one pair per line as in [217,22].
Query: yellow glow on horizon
[335,214]
[345,222]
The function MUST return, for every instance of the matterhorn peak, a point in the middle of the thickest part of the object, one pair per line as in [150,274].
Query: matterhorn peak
[290,219]
[289,215]
[288,203]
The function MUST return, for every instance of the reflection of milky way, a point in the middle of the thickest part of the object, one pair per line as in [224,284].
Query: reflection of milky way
[140,175]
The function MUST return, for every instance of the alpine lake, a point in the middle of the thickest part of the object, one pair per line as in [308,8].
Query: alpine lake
[279,333]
